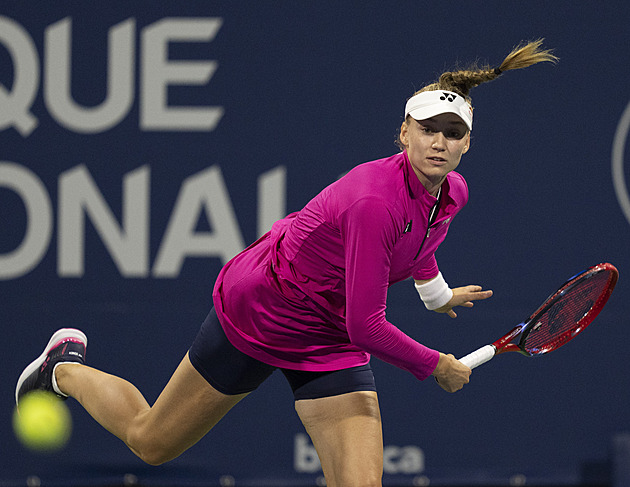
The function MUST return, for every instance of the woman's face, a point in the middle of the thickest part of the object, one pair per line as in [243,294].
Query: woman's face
[435,147]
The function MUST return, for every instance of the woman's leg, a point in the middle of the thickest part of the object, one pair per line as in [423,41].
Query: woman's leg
[185,411]
[347,434]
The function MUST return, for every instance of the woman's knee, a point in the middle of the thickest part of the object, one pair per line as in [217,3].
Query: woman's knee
[148,444]
[154,456]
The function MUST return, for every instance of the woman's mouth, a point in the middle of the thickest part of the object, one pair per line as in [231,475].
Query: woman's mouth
[437,161]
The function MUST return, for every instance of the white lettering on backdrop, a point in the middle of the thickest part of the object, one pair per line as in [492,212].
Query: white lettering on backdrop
[79,198]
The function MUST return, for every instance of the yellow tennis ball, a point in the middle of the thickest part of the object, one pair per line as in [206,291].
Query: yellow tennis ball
[42,421]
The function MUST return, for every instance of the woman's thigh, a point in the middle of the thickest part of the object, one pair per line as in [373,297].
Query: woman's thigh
[185,411]
[347,434]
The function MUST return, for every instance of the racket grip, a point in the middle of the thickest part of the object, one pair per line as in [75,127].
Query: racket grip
[478,357]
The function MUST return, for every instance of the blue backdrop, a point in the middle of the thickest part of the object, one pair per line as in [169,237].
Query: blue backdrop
[144,143]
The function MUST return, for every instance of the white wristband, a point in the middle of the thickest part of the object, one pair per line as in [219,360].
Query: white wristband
[435,293]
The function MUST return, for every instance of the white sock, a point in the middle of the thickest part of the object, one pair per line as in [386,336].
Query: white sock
[54,379]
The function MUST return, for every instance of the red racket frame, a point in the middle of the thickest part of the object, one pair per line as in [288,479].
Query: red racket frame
[503,344]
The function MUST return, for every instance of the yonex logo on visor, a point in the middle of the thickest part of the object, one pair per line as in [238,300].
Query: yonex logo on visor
[431,103]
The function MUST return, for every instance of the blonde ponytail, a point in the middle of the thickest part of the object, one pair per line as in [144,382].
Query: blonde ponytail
[462,81]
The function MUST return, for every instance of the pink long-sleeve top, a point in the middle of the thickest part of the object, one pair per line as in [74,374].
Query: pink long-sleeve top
[311,294]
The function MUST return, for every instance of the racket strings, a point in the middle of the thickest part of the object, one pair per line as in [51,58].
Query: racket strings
[568,314]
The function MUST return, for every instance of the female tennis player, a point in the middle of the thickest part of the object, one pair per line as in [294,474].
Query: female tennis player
[309,298]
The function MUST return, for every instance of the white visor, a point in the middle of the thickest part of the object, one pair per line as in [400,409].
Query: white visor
[431,103]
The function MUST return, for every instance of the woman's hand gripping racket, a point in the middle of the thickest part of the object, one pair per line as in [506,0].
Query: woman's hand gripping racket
[564,314]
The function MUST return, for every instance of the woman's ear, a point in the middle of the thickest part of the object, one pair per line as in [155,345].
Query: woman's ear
[467,146]
[404,134]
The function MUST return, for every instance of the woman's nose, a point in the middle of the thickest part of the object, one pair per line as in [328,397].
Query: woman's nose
[438,141]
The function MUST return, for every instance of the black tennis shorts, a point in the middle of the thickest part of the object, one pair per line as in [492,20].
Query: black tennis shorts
[231,372]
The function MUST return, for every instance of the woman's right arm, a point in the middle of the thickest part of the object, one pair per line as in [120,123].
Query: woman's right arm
[450,373]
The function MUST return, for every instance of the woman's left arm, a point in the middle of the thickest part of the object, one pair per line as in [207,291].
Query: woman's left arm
[461,296]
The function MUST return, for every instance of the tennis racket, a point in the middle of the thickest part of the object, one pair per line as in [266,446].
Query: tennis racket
[562,316]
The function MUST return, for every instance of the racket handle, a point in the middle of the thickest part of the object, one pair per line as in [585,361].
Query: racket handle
[478,357]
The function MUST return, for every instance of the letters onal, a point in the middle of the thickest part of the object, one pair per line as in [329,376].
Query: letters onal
[128,241]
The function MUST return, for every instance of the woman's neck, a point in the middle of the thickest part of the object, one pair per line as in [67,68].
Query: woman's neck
[432,185]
